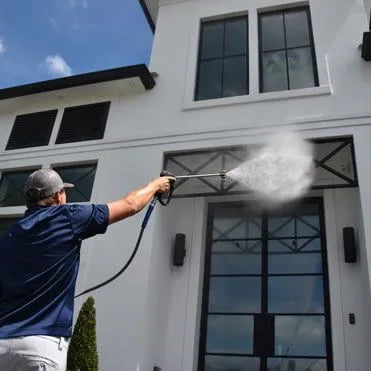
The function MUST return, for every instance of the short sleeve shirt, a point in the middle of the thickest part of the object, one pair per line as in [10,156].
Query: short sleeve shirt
[39,263]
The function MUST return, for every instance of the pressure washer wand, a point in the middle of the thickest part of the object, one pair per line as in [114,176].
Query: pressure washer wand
[222,175]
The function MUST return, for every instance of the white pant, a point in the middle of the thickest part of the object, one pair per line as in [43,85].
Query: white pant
[33,353]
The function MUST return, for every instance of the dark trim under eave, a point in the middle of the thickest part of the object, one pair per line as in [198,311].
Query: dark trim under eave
[138,70]
[148,15]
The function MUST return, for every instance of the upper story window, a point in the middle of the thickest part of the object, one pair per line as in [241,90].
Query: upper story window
[82,176]
[32,130]
[82,123]
[287,57]
[11,187]
[223,59]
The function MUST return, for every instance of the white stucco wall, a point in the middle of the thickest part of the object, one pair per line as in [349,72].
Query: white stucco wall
[150,315]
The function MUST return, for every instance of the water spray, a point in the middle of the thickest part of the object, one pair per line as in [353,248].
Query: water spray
[279,172]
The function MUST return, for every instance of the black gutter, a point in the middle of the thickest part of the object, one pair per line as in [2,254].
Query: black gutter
[148,15]
[138,70]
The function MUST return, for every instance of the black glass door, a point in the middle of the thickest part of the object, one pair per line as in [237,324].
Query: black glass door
[265,304]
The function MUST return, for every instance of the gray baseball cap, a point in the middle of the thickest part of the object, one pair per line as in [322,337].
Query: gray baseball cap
[43,183]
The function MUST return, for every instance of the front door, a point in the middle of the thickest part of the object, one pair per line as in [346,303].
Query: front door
[266,299]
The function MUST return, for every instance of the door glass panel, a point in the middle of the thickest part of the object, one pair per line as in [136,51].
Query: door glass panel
[296,364]
[274,71]
[272,31]
[230,334]
[300,336]
[229,363]
[300,294]
[281,226]
[282,262]
[297,30]
[300,66]
[236,257]
[235,37]
[234,294]
[307,225]
[212,40]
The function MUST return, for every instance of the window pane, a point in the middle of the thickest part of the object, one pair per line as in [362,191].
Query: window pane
[300,68]
[281,226]
[235,37]
[11,187]
[234,294]
[234,78]
[230,334]
[229,363]
[307,225]
[294,262]
[212,40]
[274,71]
[83,179]
[300,336]
[272,31]
[296,364]
[300,294]
[210,80]
[236,257]
[297,30]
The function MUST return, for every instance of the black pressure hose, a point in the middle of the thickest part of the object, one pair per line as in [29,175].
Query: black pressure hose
[123,269]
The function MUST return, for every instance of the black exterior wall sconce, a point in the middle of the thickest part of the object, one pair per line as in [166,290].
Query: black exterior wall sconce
[366,44]
[179,251]
[350,248]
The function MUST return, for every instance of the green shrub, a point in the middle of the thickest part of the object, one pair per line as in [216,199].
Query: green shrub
[82,353]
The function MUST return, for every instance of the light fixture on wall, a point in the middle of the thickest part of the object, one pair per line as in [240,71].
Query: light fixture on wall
[366,44]
[349,242]
[179,250]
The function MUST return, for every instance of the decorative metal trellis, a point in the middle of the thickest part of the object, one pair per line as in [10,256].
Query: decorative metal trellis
[334,162]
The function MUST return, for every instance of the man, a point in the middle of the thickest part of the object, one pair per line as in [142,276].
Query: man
[39,261]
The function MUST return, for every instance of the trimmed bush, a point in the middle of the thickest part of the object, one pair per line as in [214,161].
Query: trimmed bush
[82,353]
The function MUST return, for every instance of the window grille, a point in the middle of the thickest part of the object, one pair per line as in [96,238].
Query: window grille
[11,187]
[82,176]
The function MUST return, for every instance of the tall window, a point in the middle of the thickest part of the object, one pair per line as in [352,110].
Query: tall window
[32,130]
[82,176]
[223,59]
[82,123]
[287,57]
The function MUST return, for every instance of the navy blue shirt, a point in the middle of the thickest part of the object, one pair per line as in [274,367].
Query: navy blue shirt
[39,262]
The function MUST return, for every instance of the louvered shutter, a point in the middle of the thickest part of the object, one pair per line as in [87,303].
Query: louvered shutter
[32,130]
[83,123]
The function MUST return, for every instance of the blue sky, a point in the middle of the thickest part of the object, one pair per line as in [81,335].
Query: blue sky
[47,39]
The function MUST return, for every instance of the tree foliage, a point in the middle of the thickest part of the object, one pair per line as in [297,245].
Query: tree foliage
[82,353]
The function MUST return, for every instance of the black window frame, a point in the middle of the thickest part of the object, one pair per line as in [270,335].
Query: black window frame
[19,189]
[223,57]
[63,137]
[94,166]
[311,39]
[264,317]
[15,142]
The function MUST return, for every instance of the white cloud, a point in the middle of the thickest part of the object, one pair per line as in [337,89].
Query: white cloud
[2,46]
[75,3]
[56,65]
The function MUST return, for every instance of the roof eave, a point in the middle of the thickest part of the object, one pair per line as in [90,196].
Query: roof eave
[138,70]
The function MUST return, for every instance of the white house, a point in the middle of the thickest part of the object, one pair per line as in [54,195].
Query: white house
[260,289]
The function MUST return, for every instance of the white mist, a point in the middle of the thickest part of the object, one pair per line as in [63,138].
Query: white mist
[281,171]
